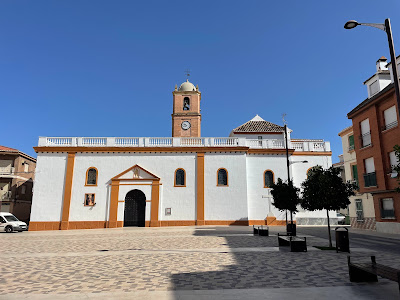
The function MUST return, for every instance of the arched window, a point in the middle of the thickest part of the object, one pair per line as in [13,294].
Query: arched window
[180,178]
[268,178]
[186,103]
[222,177]
[91,176]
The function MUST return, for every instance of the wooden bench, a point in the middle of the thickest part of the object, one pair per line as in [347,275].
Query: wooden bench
[297,244]
[260,231]
[369,272]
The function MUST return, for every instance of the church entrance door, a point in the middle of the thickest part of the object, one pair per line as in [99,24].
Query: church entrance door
[135,209]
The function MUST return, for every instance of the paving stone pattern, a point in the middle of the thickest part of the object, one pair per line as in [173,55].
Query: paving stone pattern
[161,259]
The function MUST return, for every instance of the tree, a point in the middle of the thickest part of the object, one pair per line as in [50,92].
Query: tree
[324,189]
[286,196]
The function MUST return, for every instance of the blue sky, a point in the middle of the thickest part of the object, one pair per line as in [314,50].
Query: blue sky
[107,68]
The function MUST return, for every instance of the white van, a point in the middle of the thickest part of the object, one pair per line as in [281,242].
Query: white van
[9,223]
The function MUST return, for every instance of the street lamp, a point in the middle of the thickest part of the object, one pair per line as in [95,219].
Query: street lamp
[385,27]
[288,163]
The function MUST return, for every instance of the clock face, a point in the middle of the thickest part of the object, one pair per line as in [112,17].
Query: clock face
[185,125]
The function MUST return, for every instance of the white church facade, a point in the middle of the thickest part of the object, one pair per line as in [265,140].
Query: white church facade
[181,180]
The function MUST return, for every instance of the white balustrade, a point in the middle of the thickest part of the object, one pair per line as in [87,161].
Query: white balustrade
[127,142]
[225,142]
[160,142]
[193,142]
[92,142]
[58,141]
[298,145]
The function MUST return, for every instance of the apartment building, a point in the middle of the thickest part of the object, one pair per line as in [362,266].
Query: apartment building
[375,133]
[17,171]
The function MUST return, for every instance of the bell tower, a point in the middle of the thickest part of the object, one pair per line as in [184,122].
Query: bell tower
[186,116]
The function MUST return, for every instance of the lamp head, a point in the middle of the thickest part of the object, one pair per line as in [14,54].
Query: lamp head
[351,24]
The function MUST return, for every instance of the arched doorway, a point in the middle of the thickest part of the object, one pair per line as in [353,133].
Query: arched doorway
[135,208]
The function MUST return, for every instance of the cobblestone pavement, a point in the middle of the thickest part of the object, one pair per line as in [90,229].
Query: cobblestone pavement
[165,259]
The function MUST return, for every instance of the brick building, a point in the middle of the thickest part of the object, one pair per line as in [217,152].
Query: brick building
[376,132]
[17,171]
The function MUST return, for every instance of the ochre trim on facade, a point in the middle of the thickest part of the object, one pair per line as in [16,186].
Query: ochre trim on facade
[273,178]
[113,204]
[312,153]
[227,177]
[131,168]
[271,151]
[140,149]
[86,178]
[184,178]
[178,223]
[69,174]
[155,198]
[40,226]
[200,189]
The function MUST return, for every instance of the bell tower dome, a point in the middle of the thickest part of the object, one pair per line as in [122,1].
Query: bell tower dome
[186,116]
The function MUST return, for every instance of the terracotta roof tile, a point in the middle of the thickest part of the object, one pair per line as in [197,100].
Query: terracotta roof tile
[7,149]
[257,124]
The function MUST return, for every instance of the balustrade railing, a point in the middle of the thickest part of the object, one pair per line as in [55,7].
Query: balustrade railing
[302,145]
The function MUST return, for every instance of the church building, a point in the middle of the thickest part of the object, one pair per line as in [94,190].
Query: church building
[186,179]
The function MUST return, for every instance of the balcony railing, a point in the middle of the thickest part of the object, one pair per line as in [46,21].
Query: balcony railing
[366,139]
[370,179]
[390,125]
[303,145]
[7,170]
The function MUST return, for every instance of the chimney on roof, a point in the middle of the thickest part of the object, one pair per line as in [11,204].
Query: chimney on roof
[381,64]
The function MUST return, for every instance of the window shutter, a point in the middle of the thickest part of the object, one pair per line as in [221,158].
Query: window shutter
[390,117]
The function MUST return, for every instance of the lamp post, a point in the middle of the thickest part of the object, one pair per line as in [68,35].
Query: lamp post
[288,163]
[385,27]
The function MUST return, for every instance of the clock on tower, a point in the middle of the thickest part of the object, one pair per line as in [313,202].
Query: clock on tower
[186,117]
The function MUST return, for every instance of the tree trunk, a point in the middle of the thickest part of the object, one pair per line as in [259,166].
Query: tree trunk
[329,230]
[291,217]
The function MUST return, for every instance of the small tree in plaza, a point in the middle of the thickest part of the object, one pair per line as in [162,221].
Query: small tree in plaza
[286,196]
[324,189]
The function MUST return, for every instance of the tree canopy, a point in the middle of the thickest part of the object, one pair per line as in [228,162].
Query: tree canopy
[286,196]
[324,189]
[397,167]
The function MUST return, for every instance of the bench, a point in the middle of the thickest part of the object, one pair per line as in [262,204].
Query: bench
[260,231]
[369,272]
[297,244]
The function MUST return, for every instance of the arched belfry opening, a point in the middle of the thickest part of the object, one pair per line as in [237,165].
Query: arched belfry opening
[135,208]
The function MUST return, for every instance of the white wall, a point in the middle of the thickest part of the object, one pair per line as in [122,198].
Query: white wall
[225,202]
[181,200]
[259,198]
[49,187]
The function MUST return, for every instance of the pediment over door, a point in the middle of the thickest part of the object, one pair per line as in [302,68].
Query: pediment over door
[136,173]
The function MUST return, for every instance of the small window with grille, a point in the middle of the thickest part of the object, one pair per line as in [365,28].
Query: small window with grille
[180,177]
[222,177]
[91,176]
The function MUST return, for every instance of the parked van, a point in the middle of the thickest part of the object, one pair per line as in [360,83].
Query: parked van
[9,223]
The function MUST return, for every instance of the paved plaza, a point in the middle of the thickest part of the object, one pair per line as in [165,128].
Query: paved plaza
[208,262]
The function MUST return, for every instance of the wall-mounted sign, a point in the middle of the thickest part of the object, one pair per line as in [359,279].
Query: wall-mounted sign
[168,211]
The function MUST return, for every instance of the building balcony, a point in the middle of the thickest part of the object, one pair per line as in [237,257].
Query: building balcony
[298,145]
[389,126]
[366,140]
[370,179]
[7,171]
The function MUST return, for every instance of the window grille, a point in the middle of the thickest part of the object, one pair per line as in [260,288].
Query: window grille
[222,177]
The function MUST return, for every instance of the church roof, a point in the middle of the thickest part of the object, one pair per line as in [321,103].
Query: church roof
[258,124]
[187,86]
